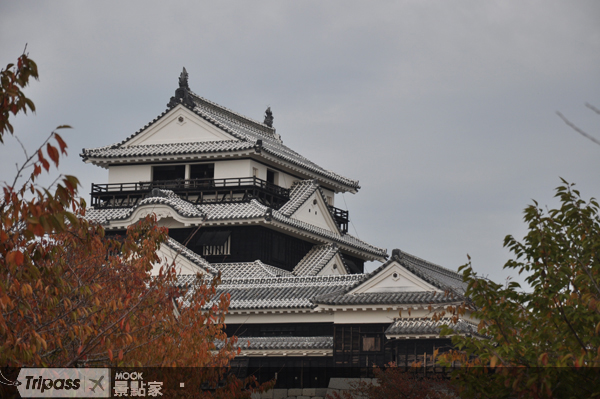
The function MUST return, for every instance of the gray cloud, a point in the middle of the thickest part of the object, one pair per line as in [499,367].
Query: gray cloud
[443,110]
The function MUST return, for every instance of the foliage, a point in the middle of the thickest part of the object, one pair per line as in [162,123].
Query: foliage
[72,297]
[398,383]
[544,343]
[12,99]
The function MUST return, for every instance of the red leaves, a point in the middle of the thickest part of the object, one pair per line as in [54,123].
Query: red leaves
[15,258]
[52,153]
[42,160]
[62,145]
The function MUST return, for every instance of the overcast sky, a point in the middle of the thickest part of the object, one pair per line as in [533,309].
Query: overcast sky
[445,111]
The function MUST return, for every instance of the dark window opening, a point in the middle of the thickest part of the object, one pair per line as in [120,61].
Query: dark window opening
[278,244]
[371,344]
[213,238]
[271,176]
[202,171]
[171,172]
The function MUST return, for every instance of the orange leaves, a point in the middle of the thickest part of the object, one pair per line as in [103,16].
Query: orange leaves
[42,160]
[52,153]
[62,145]
[15,258]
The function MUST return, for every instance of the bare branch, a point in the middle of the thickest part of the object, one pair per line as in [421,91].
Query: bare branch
[590,106]
[578,130]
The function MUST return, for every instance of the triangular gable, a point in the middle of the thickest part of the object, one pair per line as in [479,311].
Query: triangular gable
[186,262]
[334,267]
[315,211]
[322,260]
[179,125]
[393,277]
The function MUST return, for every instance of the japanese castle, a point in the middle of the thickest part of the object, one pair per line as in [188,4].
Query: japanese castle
[299,293]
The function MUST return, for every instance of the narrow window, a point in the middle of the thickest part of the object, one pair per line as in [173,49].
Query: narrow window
[371,344]
[202,171]
[170,172]
[272,176]
[255,172]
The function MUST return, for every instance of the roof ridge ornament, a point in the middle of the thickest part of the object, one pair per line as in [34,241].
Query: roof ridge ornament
[269,117]
[182,94]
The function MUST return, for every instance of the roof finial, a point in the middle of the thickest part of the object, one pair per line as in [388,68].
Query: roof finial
[182,94]
[269,117]
[183,80]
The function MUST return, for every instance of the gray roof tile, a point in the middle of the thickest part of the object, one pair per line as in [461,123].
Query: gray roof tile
[166,197]
[282,292]
[439,276]
[245,130]
[166,149]
[249,270]
[282,343]
[230,211]
[299,193]
[191,256]
[383,298]
[316,259]
[426,326]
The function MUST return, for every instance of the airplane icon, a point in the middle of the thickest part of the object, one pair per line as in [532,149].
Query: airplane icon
[97,383]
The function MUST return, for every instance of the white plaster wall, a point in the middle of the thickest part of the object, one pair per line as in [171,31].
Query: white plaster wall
[279,318]
[339,317]
[329,193]
[169,129]
[129,173]
[234,168]
[315,214]
[284,180]
[182,265]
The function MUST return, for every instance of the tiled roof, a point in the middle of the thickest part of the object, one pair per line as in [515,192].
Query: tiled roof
[246,130]
[250,130]
[282,292]
[230,211]
[191,256]
[255,269]
[166,149]
[285,343]
[233,210]
[315,260]
[381,298]
[346,239]
[439,276]
[166,197]
[426,326]
[104,216]
[299,193]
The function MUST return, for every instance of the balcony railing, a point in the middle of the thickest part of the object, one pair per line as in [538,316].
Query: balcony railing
[198,191]
[341,217]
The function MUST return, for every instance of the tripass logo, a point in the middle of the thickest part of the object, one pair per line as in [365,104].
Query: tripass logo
[61,383]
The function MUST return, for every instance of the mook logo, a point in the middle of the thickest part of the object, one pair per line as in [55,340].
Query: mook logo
[132,384]
[64,383]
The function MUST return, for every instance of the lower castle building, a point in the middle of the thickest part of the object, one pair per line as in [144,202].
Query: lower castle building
[299,294]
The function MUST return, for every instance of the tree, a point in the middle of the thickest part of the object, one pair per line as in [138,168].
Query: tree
[72,297]
[543,343]
[394,382]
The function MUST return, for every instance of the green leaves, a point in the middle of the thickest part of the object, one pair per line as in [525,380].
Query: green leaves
[552,330]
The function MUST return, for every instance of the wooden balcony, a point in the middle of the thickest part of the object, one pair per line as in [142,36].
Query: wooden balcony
[202,191]
[197,191]
[341,217]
